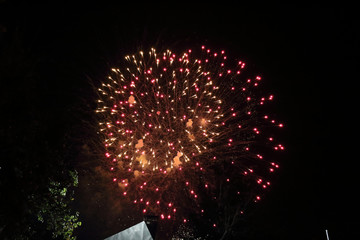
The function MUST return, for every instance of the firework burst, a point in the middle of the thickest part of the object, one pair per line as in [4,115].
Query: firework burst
[179,129]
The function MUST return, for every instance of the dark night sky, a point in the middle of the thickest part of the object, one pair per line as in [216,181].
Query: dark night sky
[309,57]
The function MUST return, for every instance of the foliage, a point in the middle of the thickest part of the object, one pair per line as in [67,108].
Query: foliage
[36,178]
[54,211]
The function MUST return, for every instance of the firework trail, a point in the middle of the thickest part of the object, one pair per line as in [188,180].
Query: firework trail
[179,129]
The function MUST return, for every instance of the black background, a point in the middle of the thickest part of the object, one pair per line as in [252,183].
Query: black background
[308,57]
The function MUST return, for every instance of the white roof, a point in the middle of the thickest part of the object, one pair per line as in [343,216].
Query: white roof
[136,232]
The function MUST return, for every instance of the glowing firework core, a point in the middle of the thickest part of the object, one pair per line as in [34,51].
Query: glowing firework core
[160,109]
